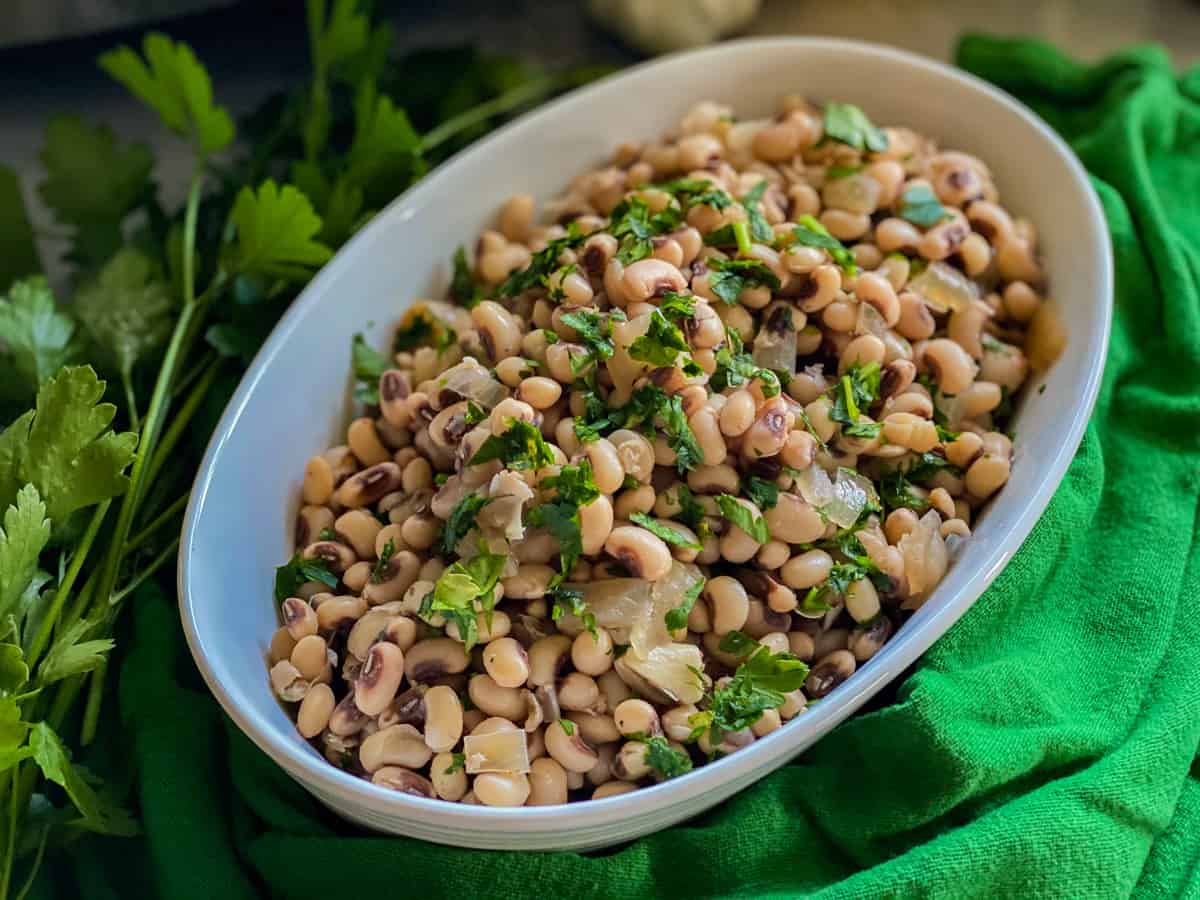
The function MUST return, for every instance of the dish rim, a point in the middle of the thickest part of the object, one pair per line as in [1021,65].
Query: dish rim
[773,749]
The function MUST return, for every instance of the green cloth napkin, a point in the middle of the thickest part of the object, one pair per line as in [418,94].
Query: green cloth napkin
[1046,746]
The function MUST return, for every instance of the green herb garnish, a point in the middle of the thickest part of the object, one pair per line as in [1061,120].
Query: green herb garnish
[743,518]
[297,571]
[732,276]
[520,447]
[847,123]
[920,206]
[665,532]
[811,233]
[461,520]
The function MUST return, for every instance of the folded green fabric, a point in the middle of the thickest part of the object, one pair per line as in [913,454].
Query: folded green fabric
[1045,747]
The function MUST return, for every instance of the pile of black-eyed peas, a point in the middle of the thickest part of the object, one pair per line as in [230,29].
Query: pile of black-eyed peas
[675,457]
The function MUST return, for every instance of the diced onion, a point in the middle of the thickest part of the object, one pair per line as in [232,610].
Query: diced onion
[472,381]
[944,287]
[673,669]
[775,348]
[815,486]
[870,321]
[617,604]
[500,751]
[925,558]
[650,629]
[849,500]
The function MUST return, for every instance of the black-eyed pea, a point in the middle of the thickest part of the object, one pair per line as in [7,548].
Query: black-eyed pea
[299,618]
[310,523]
[365,443]
[535,743]
[629,763]
[592,655]
[737,415]
[379,679]
[799,450]
[281,646]
[829,672]
[308,656]
[558,360]
[996,443]
[800,645]
[803,200]
[858,193]
[634,453]
[873,288]
[914,402]
[676,724]
[636,717]
[315,709]
[912,432]
[579,693]
[861,350]
[368,486]
[539,392]
[793,520]
[943,239]
[492,725]
[404,781]
[347,720]
[721,479]
[844,225]
[700,618]
[975,253]
[1020,301]
[496,700]
[793,704]
[899,523]
[602,773]
[840,316]
[516,217]
[443,718]
[342,461]
[770,721]
[829,640]
[897,236]
[990,220]
[334,612]
[951,366]
[707,431]
[642,553]
[288,682]
[506,662]
[650,277]
[614,689]
[817,412]
[448,778]
[962,509]
[862,600]
[358,528]
[566,746]
[499,331]
[987,475]
[548,656]
[956,527]
[356,577]
[318,481]
[941,500]
[807,569]
[596,728]
[337,556]
[636,500]
[1015,261]
[394,579]
[606,465]
[421,531]
[916,321]
[613,789]
[728,604]
[547,782]
[767,436]
[394,389]
[396,745]
[429,660]
[867,640]
[531,581]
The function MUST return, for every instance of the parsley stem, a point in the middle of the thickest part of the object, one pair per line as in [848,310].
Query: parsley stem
[91,713]
[181,420]
[37,864]
[164,556]
[477,115]
[157,522]
[46,627]
[13,817]
[130,398]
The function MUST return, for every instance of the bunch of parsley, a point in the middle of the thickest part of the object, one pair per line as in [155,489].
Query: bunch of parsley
[107,401]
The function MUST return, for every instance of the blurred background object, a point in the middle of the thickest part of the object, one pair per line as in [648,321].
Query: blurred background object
[660,26]
[35,21]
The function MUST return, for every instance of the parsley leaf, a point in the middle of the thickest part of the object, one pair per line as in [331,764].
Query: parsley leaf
[662,343]
[760,683]
[691,513]
[735,234]
[461,520]
[574,487]
[664,759]
[176,86]
[847,123]
[368,364]
[809,232]
[841,576]
[735,367]
[677,307]
[462,586]
[635,226]
[91,183]
[743,518]
[543,263]
[296,571]
[696,192]
[520,447]
[570,602]
[760,229]
[458,762]
[677,618]
[96,814]
[853,395]
[920,206]
[665,532]
[71,655]
[595,331]
[731,276]
[276,231]
[567,726]
[38,338]
[463,289]
[126,309]
[764,494]
[25,534]
[381,564]
[925,465]
[64,447]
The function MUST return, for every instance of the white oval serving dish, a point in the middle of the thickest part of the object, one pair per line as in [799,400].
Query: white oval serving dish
[294,401]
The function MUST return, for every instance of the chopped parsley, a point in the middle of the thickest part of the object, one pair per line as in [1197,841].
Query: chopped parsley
[475,413]
[761,682]
[696,192]
[458,762]
[648,404]
[735,367]
[677,618]
[664,759]
[677,307]
[635,226]
[841,576]
[848,124]
[422,329]
[853,395]
[760,229]
[567,726]
[691,513]
[381,564]
[570,602]
[665,532]
[811,233]
[920,206]
[661,345]
[735,234]
[461,520]
[544,262]
[731,276]
[520,447]
[463,289]
[297,571]
[762,493]
[574,487]
[842,171]
[463,586]
[743,518]
[595,331]
[327,534]
[368,364]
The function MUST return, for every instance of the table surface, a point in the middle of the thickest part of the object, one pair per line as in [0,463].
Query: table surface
[257,48]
